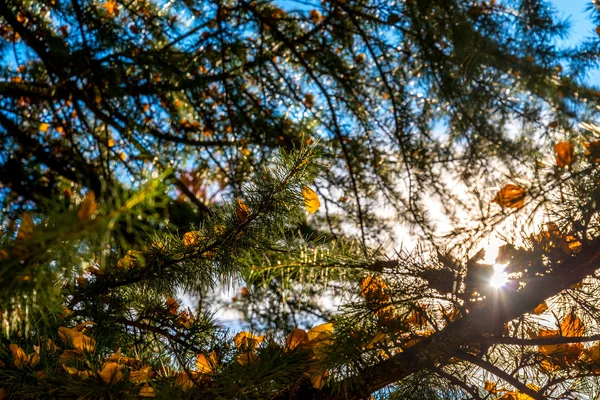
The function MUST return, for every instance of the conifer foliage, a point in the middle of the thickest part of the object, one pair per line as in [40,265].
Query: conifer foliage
[154,153]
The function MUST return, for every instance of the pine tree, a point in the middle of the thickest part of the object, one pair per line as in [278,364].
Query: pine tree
[154,152]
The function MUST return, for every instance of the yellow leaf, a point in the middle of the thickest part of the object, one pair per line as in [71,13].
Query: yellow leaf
[242,211]
[19,357]
[374,289]
[110,142]
[246,340]
[185,381]
[570,245]
[43,127]
[320,332]
[88,207]
[379,337]
[318,378]
[206,365]
[511,196]
[130,259]
[296,338]
[311,200]
[76,339]
[147,391]
[541,308]
[564,154]
[111,373]
[246,358]
[27,227]
[191,238]
[141,375]
[110,7]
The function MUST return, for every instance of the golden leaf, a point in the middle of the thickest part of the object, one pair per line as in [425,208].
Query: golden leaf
[511,196]
[185,381]
[320,332]
[110,6]
[246,340]
[19,357]
[130,258]
[147,391]
[43,127]
[570,245]
[565,154]
[88,207]
[311,200]
[206,365]
[192,238]
[141,375]
[111,373]
[185,319]
[77,339]
[296,338]
[27,227]
[242,211]
[379,337]
[374,289]
[418,316]
[317,378]
[110,142]
[592,150]
[541,308]
[246,358]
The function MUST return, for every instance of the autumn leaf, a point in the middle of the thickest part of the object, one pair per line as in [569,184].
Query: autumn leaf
[418,316]
[511,196]
[111,8]
[43,127]
[318,378]
[172,306]
[147,391]
[130,259]
[21,359]
[186,381]
[246,340]
[572,326]
[296,338]
[320,332]
[491,387]
[88,207]
[192,238]
[27,227]
[206,365]
[541,308]
[311,200]
[570,245]
[564,154]
[592,150]
[76,339]
[374,289]
[141,375]
[111,373]
[242,211]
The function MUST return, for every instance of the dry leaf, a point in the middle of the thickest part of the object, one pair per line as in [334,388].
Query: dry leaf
[572,326]
[491,387]
[374,289]
[320,332]
[185,381]
[111,372]
[206,365]
[318,378]
[147,391]
[192,238]
[76,339]
[592,150]
[296,338]
[541,308]
[311,200]
[242,211]
[88,207]
[141,375]
[246,340]
[565,155]
[27,227]
[512,196]
[172,306]
[44,127]
[20,359]
[130,258]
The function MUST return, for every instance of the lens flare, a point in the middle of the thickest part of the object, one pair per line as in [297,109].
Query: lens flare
[499,277]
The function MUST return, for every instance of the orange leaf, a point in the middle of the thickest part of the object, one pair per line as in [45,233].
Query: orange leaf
[592,150]
[296,338]
[206,365]
[191,238]
[27,227]
[247,340]
[242,211]
[141,375]
[172,306]
[88,207]
[147,391]
[19,357]
[512,196]
[111,373]
[572,326]
[541,308]
[43,127]
[564,154]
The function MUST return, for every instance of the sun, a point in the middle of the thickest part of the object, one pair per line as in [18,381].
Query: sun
[499,277]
